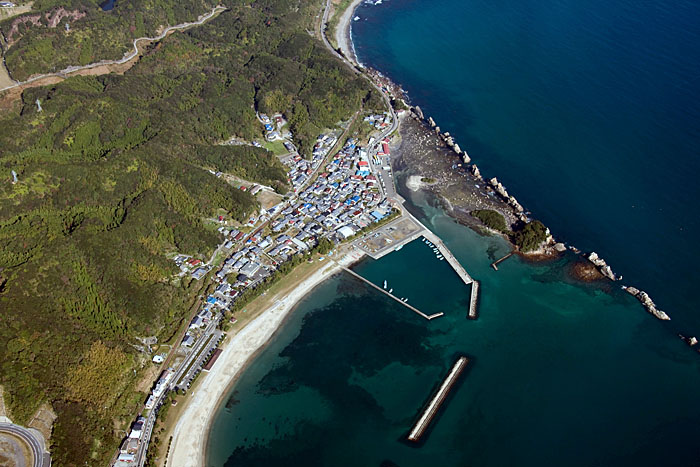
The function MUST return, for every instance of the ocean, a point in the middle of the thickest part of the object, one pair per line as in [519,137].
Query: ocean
[585,111]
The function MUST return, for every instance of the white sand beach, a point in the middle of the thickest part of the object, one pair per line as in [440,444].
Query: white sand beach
[190,434]
[342,32]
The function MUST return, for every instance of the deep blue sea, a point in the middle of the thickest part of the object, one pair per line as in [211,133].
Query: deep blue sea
[587,111]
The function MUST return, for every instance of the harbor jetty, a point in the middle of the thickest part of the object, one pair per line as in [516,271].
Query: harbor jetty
[473,313]
[461,272]
[412,308]
[498,261]
[431,409]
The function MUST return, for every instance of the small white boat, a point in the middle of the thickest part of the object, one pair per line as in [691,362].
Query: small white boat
[356,18]
[391,290]
[385,285]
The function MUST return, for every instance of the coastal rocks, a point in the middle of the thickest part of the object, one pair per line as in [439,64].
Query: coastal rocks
[648,303]
[514,202]
[431,122]
[419,112]
[498,186]
[560,247]
[414,182]
[476,173]
[585,271]
[602,266]
[501,190]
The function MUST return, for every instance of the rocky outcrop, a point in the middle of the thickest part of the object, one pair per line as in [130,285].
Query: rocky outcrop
[476,173]
[431,122]
[602,266]
[647,302]
[51,19]
[419,112]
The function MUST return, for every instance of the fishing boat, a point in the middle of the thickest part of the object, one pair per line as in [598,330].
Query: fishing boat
[356,18]
[391,290]
[385,284]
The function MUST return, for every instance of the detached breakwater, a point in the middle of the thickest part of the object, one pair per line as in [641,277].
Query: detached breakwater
[434,405]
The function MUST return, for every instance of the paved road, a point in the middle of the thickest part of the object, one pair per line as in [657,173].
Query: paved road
[72,69]
[41,458]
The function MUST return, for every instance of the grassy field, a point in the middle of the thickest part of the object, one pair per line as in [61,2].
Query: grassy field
[276,147]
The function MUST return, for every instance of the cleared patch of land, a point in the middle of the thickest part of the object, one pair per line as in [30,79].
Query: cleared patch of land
[5,79]
[16,10]
[267,199]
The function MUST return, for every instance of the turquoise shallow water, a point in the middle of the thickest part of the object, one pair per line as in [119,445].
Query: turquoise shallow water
[561,373]
[569,104]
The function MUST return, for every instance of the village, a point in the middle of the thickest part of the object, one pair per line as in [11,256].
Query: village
[333,197]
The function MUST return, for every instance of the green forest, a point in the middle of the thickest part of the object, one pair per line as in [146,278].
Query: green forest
[113,176]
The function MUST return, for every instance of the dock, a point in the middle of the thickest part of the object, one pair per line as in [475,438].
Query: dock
[473,313]
[437,400]
[498,261]
[461,272]
[412,308]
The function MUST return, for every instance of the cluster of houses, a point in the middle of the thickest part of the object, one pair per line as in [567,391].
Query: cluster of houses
[300,169]
[379,121]
[130,446]
[341,201]
[274,127]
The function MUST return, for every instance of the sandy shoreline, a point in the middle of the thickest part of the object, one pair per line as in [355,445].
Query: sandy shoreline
[191,432]
[342,32]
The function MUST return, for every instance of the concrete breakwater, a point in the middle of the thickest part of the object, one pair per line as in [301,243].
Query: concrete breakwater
[410,307]
[520,212]
[461,272]
[474,297]
[431,409]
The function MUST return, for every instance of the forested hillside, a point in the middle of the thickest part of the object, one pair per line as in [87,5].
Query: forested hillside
[113,176]
[40,42]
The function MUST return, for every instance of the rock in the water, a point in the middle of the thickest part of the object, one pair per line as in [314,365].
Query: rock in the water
[560,247]
[419,112]
[647,302]
[431,122]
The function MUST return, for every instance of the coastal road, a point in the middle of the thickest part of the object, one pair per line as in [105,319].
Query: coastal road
[41,458]
[389,192]
[149,424]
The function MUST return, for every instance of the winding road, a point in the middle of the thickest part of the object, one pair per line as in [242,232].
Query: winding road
[129,56]
[41,458]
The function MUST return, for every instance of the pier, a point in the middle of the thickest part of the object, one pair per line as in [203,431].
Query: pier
[461,272]
[498,261]
[440,396]
[473,313]
[412,308]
